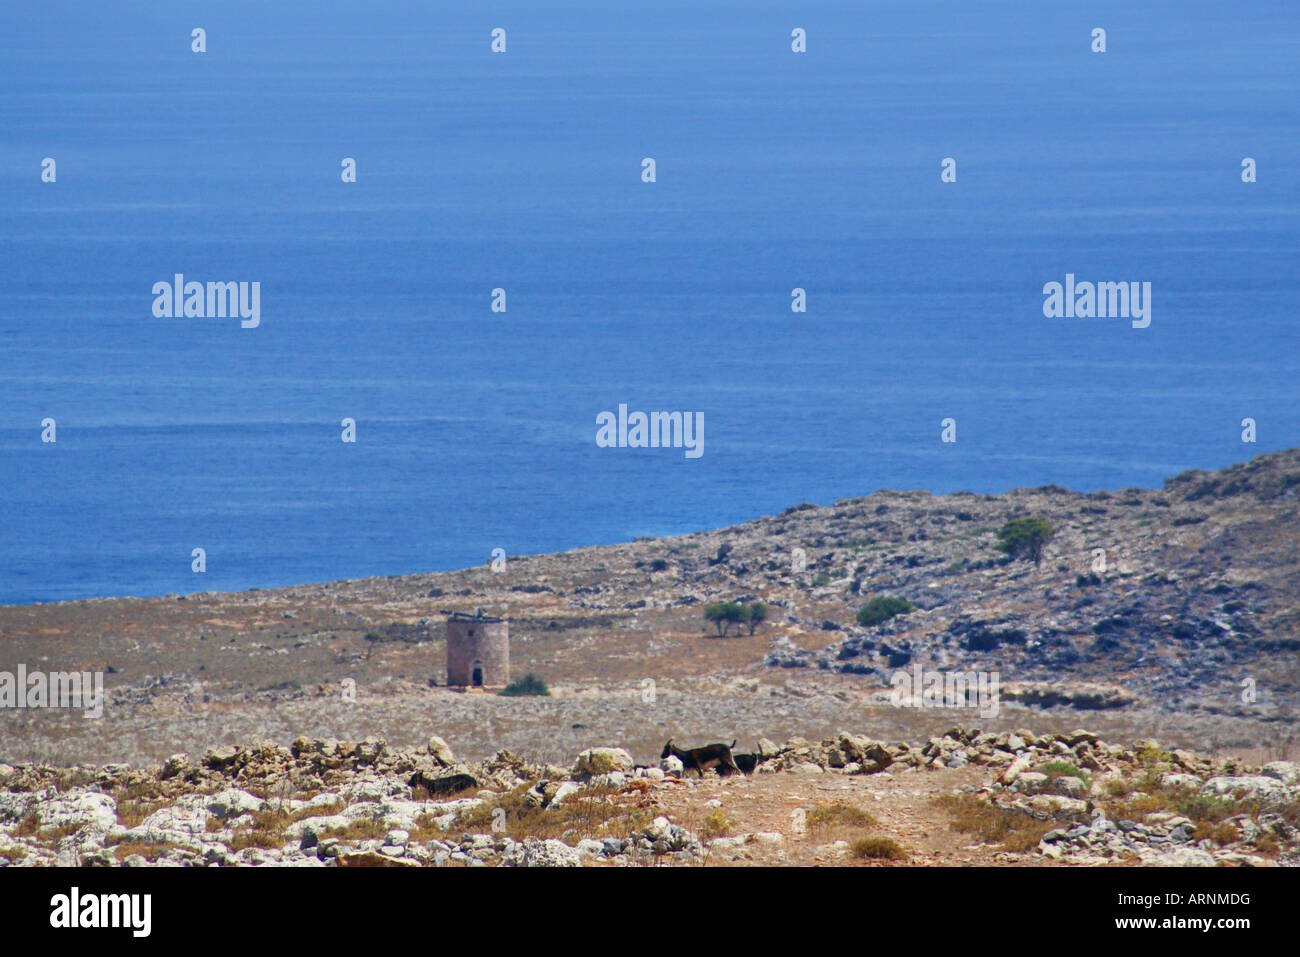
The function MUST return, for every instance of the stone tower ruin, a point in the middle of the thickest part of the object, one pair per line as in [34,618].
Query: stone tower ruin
[478,651]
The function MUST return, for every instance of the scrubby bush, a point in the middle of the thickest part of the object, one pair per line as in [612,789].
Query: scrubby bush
[1013,828]
[529,685]
[878,848]
[839,814]
[881,609]
[715,824]
[1025,538]
[1065,769]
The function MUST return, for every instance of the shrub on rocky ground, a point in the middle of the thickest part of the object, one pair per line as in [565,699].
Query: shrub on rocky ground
[529,685]
[1014,829]
[878,848]
[839,814]
[361,829]
[1221,834]
[587,813]
[881,608]
[254,837]
[715,824]
[1065,769]
[131,813]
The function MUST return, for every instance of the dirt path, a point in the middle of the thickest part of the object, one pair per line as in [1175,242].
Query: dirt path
[769,805]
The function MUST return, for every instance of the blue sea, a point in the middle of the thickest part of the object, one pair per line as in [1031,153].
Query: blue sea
[522,170]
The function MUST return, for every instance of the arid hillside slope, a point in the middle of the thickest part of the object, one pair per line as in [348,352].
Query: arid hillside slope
[1171,612]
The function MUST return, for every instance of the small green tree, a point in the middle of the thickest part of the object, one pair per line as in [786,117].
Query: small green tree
[529,684]
[724,615]
[755,615]
[882,608]
[1025,538]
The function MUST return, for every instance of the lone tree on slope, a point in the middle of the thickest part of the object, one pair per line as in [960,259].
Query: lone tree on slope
[1025,538]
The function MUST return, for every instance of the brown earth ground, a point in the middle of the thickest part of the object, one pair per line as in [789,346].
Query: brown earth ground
[902,804]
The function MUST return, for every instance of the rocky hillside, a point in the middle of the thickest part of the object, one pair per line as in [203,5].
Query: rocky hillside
[1170,612]
[963,797]
[1177,595]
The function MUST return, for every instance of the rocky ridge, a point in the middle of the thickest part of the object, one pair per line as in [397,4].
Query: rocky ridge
[331,803]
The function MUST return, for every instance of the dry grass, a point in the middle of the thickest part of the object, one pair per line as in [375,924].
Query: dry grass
[140,791]
[877,848]
[423,794]
[427,829]
[714,824]
[267,828]
[65,779]
[1139,800]
[132,812]
[283,818]
[31,826]
[1220,834]
[362,829]
[137,801]
[1118,788]
[53,835]
[1148,796]
[150,852]
[245,838]
[1013,829]
[839,814]
[838,821]
[1152,757]
[594,813]
[1151,797]
[1267,845]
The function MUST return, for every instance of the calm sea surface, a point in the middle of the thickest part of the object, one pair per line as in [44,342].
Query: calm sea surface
[775,170]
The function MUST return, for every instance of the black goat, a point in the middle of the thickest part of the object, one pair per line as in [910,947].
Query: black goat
[701,759]
[747,762]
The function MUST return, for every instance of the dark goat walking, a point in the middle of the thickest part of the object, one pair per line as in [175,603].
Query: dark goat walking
[747,762]
[701,759]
